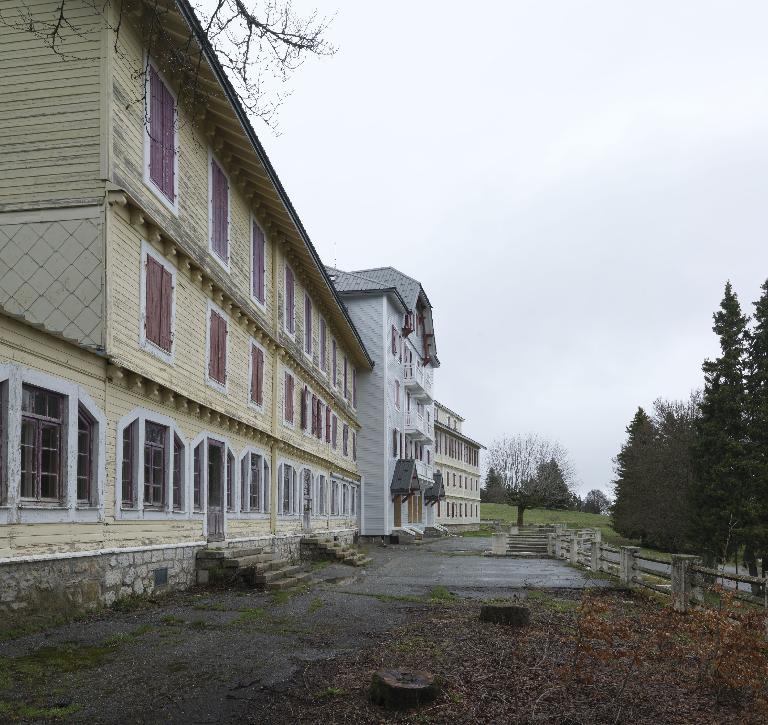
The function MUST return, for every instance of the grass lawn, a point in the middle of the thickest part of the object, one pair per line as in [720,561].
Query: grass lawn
[572,519]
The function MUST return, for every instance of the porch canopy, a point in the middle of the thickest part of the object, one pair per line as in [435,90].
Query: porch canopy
[406,480]
[436,491]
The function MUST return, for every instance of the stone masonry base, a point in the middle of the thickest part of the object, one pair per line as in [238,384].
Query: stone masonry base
[73,582]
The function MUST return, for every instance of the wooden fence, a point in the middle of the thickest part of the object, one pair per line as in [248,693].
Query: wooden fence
[682,577]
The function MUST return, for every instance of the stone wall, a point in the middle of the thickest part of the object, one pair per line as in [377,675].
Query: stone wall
[71,583]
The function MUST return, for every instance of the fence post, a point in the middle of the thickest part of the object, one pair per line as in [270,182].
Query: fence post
[558,545]
[550,545]
[594,558]
[683,581]
[574,553]
[598,535]
[499,544]
[627,564]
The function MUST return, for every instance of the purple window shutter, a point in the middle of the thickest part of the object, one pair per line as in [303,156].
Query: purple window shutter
[304,397]
[327,425]
[169,145]
[155,128]
[219,209]
[334,362]
[166,291]
[307,324]
[258,262]
[290,310]
[223,349]
[354,387]
[151,301]
[322,344]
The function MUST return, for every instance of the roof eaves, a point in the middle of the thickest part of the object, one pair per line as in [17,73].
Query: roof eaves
[190,17]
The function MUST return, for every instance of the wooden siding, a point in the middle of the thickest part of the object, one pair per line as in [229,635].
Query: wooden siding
[50,123]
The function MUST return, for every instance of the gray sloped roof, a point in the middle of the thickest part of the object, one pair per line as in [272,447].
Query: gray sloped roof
[402,478]
[408,287]
[437,490]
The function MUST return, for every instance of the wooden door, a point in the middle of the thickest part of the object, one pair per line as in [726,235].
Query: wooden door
[398,513]
[215,491]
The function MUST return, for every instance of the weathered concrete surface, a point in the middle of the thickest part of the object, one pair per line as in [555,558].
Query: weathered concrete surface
[458,565]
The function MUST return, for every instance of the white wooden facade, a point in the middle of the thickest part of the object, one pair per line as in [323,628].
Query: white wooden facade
[396,407]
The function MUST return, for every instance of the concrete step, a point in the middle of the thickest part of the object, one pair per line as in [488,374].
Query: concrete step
[287,582]
[253,560]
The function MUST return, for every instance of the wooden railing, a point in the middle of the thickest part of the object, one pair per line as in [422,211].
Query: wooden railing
[681,577]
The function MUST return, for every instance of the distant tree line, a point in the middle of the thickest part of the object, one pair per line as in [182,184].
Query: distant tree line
[529,471]
[693,475]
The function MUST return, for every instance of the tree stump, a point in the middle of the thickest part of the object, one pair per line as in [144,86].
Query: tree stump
[512,614]
[402,689]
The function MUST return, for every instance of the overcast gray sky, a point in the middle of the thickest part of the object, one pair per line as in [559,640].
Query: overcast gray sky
[572,183]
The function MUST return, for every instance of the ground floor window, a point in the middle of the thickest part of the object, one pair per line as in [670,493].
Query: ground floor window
[254,476]
[288,503]
[58,433]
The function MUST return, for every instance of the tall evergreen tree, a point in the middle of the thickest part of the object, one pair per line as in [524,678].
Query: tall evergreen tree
[756,543]
[493,491]
[632,482]
[720,491]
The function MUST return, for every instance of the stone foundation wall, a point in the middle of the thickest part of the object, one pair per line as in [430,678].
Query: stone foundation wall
[68,584]
[461,527]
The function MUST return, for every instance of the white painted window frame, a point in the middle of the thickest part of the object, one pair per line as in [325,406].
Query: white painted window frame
[137,512]
[243,509]
[224,264]
[148,251]
[215,384]
[14,510]
[293,501]
[172,206]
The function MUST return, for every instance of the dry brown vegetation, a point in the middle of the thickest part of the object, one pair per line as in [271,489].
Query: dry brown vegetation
[613,657]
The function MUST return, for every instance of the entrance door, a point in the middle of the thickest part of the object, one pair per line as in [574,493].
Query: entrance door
[398,512]
[307,497]
[216,461]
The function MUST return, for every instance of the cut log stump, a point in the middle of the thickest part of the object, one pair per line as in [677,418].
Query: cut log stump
[402,689]
[512,614]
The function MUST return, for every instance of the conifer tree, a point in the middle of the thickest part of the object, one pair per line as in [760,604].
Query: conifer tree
[720,492]
[493,491]
[757,433]
[632,482]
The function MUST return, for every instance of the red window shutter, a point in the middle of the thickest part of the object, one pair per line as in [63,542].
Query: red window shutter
[255,374]
[223,349]
[155,127]
[289,301]
[219,212]
[166,309]
[169,145]
[153,283]
[258,262]
[304,407]
[217,354]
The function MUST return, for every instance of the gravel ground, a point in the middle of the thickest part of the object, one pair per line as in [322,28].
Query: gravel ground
[208,656]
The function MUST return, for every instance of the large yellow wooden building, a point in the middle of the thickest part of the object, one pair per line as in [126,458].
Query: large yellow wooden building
[175,365]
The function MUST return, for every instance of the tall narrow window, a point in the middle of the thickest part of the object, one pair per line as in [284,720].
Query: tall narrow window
[219,213]
[334,375]
[346,378]
[85,468]
[178,473]
[155,441]
[327,425]
[290,301]
[255,497]
[42,418]
[158,303]
[397,394]
[128,468]
[286,489]
[354,446]
[162,136]
[354,387]
[345,440]
[334,432]
[307,324]
[304,405]
[259,263]
[257,375]
[323,344]
[197,475]
[394,442]
[217,348]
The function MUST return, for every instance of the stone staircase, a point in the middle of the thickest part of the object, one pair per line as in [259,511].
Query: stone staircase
[318,547]
[435,531]
[247,568]
[528,541]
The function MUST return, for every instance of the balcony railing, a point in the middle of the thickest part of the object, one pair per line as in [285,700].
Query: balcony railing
[416,376]
[417,425]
